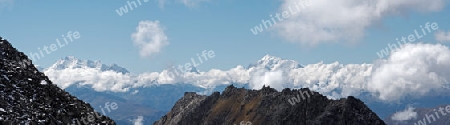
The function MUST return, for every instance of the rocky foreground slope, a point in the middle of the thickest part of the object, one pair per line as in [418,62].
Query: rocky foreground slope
[239,106]
[27,96]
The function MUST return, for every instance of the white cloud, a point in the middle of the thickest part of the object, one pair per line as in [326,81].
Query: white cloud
[415,69]
[327,78]
[138,120]
[100,81]
[442,36]
[343,20]
[407,114]
[150,38]
[274,79]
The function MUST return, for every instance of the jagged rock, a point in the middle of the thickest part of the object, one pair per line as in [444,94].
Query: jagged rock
[237,106]
[27,96]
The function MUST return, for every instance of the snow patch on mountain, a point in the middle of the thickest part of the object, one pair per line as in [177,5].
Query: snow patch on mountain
[71,62]
[272,63]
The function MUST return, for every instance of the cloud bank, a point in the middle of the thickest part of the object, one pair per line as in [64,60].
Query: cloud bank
[149,37]
[272,79]
[328,21]
[415,70]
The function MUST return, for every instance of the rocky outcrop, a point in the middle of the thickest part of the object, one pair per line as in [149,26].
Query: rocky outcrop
[268,107]
[27,96]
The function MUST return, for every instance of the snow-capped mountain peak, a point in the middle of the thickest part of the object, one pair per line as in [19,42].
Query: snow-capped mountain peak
[274,63]
[71,62]
[268,57]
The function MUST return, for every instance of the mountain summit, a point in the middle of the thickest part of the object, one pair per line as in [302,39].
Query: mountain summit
[271,63]
[27,96]
[268,107]
[71,62]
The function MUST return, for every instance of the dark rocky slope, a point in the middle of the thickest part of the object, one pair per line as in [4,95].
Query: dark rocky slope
[27,96]
[268,107]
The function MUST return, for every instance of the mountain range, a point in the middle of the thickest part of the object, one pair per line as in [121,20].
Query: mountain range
[159,91]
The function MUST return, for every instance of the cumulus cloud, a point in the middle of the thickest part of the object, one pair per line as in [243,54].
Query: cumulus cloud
[442,36]
[334,80]
[326,21]
[415,69]
[149,37]
[272,79]
[99,80]
[407,114]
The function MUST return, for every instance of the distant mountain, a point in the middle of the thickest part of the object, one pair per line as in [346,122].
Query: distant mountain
[268,107]
[71,62]
[27,96]
[149,102]
[272,63]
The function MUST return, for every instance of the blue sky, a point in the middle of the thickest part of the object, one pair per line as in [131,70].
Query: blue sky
[221,26]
